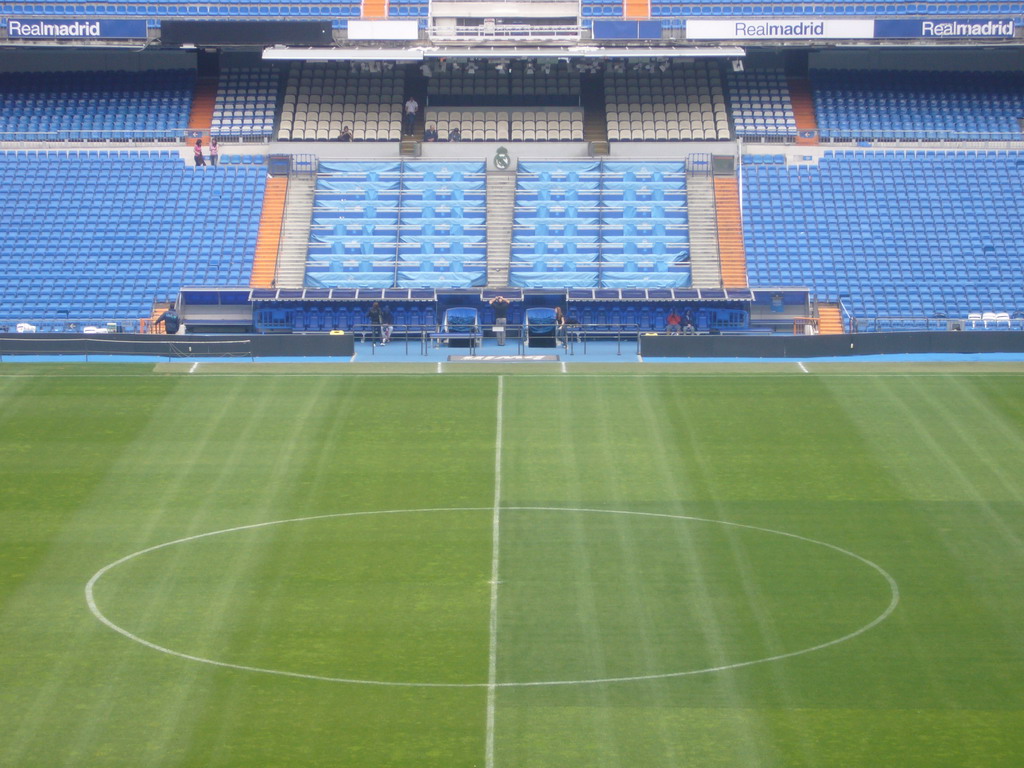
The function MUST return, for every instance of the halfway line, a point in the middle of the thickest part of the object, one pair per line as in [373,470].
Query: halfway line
[492,653]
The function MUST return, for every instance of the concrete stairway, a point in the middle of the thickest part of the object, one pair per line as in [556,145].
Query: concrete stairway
[704,261]
[501,203]
[595,120]
[298,210]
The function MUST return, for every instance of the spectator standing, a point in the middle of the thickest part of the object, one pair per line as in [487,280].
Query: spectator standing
[500,304]
[560,330]
[198,153]
[387,321]
[171,321]
[213,153]
[376,321]
[411,108]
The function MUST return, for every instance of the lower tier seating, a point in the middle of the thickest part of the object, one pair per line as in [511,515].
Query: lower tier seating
[414,224]
[893,233]
[608,224]
[101,235]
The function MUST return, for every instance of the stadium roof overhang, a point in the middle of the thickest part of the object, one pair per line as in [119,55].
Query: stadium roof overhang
[421,53]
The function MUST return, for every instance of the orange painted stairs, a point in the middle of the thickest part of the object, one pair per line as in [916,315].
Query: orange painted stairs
[732,252]
[830,319]
[636,9]
[158,310]
[203,100]
[803,109]
[268,239]
[375,9]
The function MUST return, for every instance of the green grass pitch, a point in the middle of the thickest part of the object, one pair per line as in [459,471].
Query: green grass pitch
[731,569]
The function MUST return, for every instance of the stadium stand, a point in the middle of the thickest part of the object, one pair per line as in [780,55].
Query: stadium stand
[338,10]
[666,103]
[760,104]
[897,234]
[517,83]
[321,98]
[685,9]
[95,106]
[600,224]
[673,14]
[409,9]
[542,124]
[101,235]
[413,224]
[893,105]
[246,102]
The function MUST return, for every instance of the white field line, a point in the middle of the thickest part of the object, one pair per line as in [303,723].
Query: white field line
[94,608]
[802,367]
[193,368]
[492,651]
[563,367]
[440,369]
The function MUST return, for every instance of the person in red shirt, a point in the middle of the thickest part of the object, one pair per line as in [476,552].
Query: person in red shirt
[673,323]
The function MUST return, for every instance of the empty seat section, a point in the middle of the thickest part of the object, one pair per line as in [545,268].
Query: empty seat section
[246,102]
[933,106]
[600,224]
[98,106]
[898,234]
[454,83]
[666,102]
[415,224]
[322,98]
[101,235]
[760,104]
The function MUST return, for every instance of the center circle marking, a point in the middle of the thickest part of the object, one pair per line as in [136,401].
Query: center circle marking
[90,598]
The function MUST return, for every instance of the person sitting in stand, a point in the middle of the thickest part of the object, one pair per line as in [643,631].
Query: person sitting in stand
[430,134]
[688,328]
[346,133]
[455,134]
[673,323]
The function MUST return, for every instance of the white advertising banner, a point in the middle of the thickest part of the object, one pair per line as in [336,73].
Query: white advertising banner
[383,30]
[780,29]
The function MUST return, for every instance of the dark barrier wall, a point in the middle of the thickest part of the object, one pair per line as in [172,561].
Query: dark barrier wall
[297,345]
[973,342]
[245,32]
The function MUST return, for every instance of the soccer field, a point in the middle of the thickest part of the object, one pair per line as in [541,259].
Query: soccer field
[511,567]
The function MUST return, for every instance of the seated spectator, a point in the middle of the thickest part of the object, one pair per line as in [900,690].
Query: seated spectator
[688,327]
[346,133]
[673,323]
[430,134]
[455,134]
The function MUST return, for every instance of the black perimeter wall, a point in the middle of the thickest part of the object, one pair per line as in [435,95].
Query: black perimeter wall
[846,345]
[284,345]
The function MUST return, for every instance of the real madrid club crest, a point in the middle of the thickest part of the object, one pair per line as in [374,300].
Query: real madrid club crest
[501,159]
